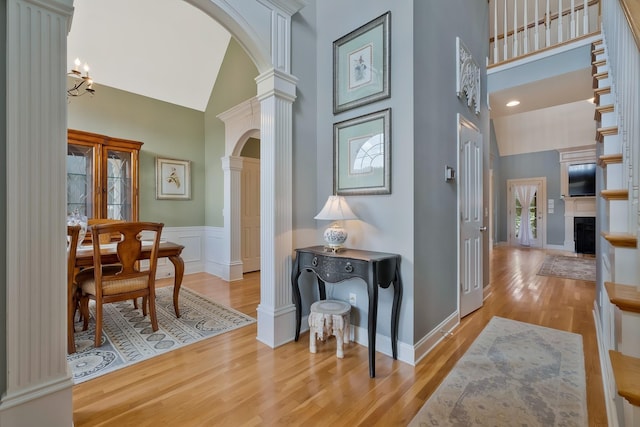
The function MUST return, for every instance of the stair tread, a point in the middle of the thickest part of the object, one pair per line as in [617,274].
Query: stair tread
[605,131]
[621,240]
[615,194]
[626,370]
[625,297]
[608,159]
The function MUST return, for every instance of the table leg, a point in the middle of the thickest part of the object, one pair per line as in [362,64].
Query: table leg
[372,289]
[295,273]
[178,264]
[395,311]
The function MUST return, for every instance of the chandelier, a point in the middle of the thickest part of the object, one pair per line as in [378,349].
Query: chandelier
[83,84]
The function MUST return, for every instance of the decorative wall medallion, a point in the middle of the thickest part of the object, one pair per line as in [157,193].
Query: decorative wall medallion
[467,76]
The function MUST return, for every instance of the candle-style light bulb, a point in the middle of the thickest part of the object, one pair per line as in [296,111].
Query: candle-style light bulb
[86,69]
[76,65]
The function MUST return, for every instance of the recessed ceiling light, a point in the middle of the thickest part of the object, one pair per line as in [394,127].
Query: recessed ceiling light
[513,103]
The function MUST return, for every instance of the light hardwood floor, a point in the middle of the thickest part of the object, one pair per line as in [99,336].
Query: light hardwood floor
[234,380]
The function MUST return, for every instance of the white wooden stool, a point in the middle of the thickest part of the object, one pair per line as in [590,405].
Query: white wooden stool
[329,317]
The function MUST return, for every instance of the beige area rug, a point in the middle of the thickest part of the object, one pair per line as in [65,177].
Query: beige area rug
[514,374]
[567,267]
[127,336]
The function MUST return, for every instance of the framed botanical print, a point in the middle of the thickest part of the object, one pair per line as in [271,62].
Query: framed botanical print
[173,179]
[362,154]
[361,65]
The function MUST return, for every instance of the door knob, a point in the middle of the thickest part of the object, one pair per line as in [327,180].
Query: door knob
[483,228]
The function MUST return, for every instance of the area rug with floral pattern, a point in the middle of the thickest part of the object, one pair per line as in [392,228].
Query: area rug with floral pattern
[569,267]
[128,338]
[514,374]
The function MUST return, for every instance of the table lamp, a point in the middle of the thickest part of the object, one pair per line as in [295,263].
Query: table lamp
[336,209]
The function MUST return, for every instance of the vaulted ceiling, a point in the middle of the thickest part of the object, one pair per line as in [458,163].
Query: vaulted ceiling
[163,49]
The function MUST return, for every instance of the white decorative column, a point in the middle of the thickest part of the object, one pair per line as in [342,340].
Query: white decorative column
[38,382]
[276,93]
[276,312]
[232,268]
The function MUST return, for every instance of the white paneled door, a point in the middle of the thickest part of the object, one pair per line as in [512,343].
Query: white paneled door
[250,222]
[471,215]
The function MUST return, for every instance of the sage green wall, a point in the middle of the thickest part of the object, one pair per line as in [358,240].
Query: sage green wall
[167,130]
[235,84]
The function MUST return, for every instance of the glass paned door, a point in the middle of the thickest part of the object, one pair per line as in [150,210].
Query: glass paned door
[80,179]
[119,190]
[530,214]
[526,210]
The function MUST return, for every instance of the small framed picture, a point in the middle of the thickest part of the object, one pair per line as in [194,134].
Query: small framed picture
[361,65]
[173,179]
[362,154]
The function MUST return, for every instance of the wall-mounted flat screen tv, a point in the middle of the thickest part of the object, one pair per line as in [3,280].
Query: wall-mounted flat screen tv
[582,180]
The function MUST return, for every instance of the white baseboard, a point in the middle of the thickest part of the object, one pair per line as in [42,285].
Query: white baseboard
[433,338]
[612,413]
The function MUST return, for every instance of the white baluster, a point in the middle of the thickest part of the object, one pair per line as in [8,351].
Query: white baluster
[495,31]
[515,28]
[504,37]
[525,48]
[548,28]
[559,21]
[536,35]
[573,20]
[585,17]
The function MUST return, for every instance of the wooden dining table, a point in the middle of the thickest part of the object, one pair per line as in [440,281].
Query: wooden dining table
[173,251]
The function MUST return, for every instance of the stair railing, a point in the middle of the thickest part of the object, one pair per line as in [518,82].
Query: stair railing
[523,27]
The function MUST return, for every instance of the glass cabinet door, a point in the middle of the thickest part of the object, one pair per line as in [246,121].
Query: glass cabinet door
[119,189]
[102,176]
[80,179]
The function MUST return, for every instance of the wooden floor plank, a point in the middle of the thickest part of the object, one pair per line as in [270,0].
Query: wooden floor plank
[234,380]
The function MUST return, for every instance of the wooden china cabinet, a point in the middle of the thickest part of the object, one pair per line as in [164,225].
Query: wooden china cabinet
[102,176]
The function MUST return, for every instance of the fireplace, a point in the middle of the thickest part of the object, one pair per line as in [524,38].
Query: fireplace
[584,232]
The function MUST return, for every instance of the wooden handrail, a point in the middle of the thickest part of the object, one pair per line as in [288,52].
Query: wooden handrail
[631,10]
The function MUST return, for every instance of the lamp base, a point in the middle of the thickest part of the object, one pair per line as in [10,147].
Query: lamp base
[334,236]
[333,249]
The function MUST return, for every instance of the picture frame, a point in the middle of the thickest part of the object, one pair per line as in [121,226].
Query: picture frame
[173,179]
[361,65]
[362,154]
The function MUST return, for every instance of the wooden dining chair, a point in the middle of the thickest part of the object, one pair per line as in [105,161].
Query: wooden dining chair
[73,233]
[106,238]
[106,285]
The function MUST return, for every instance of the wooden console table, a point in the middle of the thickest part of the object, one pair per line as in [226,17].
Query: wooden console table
[375,268]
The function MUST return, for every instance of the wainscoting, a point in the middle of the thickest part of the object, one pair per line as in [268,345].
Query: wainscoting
[203,250]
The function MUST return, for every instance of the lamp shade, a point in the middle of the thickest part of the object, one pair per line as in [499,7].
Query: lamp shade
[336,209]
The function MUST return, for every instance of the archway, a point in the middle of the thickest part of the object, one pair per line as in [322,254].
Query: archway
[240,123]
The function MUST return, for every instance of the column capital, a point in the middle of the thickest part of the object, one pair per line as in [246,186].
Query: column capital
[276,83]
[231,163]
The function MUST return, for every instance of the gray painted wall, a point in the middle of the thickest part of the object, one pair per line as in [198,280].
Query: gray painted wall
[436,25]
[386,221]
[416,219]
[531,165]
[3,204]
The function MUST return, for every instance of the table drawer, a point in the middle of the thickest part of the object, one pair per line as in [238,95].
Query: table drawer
[333,269]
